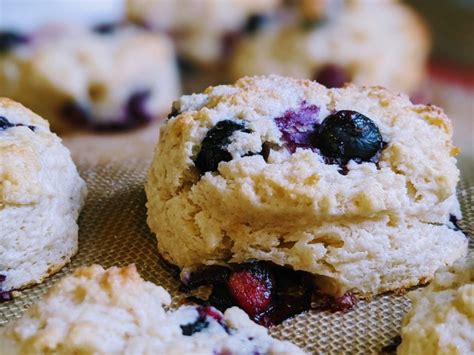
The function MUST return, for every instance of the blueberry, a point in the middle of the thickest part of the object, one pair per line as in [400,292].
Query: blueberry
[297,127]
[174,112]
[205,313]
[213,147]
[75,113]
[255,22]
[392,347]
[310,24]
[137,113]
[106,28]
[196,327]
[332,76]
[134,114]
[347,135]
[5,124]
[4,295]
[210,275]
[9,40]
[185,65]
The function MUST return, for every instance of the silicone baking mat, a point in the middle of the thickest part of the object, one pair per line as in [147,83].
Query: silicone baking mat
[113,231]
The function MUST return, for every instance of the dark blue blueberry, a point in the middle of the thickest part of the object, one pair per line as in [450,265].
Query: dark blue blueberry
[210,275]
[349,135]
[214,146]
[255,22]
[5,124]
[297,127]
[75,113]
[309,24]
[9,40]
[174,112]
[454,221]
[185,65]
[205,313]
[455,225]
[134,114]
[4,295]
[332,76]
[106,28]
[196,327]
[392,347]
[137,113]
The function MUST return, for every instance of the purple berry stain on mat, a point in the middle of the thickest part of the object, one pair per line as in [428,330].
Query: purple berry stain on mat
[268,293]
[4,295]
[297,127]
[332,76]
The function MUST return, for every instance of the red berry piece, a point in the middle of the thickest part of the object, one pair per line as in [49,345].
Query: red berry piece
[332,76]
[208,311]
[252,288]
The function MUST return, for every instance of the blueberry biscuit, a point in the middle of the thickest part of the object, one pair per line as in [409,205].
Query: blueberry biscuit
[111,77]
[441,320]
[333,42]
[41,194]
[354,186]
[202,29]
[114,311]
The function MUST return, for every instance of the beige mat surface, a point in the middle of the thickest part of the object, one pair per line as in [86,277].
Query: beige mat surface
[113,231]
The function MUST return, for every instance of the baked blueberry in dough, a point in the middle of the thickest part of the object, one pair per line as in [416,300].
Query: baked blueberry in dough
[41,194]
[441,320]
[114,311]
[108,78]
[337,41]
[354,185]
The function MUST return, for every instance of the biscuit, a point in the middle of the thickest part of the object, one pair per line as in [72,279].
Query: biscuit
[114,311]
[41,194]
[109,78]
[365,42]
[441,320]
[356,186]
[201,28]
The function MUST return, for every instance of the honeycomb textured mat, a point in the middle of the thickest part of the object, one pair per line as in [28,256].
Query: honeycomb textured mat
[113,231]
